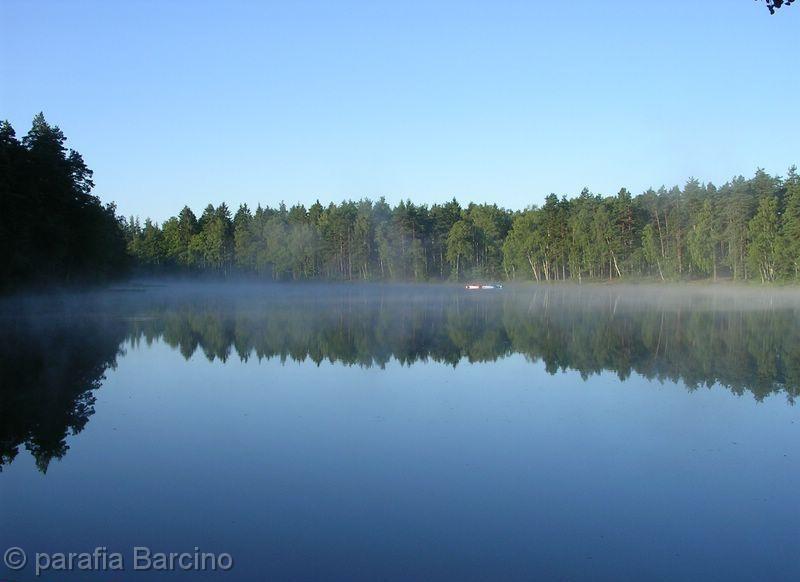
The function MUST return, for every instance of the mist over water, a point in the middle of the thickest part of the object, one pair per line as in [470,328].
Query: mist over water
[56,350]
[552,431]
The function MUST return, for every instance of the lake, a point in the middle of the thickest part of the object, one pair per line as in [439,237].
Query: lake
[352,432]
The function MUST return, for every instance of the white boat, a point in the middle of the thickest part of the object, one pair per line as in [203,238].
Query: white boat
[481,286]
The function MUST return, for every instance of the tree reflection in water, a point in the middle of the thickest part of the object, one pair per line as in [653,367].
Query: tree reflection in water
[49,370]
[53,359]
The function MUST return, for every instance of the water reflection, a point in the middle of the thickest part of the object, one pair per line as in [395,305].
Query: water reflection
[49,370]
[54,355]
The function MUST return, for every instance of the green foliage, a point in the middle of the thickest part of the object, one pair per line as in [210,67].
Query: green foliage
[790,228]
[702,241]
[52,229]
[55,230]
[763,230]
[460,246]
[734,231]
[523,248]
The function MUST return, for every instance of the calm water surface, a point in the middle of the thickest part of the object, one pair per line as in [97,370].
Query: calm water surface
[406,433]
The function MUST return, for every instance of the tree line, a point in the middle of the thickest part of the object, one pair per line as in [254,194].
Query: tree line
[747,229]
[54,230]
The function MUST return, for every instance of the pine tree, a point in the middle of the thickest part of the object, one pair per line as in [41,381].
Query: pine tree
[790,231]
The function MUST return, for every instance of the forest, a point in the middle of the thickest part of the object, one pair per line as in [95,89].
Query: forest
[56,231]
[53,231]
[746,229]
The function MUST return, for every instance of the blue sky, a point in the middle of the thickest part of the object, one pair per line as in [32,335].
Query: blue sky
[175,103]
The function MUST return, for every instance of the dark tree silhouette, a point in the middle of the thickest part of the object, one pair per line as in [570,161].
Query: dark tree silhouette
[773,5]
[54,231]
[49,371]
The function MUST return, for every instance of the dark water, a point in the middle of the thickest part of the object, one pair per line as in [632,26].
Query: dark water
[406,433]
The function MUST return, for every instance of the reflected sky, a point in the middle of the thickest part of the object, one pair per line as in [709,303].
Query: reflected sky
[397,435]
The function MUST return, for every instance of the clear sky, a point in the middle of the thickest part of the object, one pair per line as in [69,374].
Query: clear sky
[175,103]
